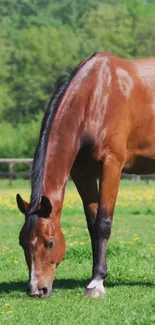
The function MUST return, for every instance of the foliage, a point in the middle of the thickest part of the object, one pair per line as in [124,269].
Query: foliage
[40,58]
[108,29]
[39,39]
[145,36]
[20,140]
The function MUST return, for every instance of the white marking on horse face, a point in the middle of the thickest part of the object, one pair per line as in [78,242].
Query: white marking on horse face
[125,82]
[34,241]
[33,279]
[97,284]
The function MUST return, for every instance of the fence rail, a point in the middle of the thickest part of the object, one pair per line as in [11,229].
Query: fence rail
[11,161]
[16,160]
[12,173]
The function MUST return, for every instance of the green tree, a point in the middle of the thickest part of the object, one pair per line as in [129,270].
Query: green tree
[5,98]
[145,36]
[19,141]
[38,57]
[107,29]
[39,39]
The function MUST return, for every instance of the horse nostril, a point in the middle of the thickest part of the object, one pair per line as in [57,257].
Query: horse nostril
[44,290]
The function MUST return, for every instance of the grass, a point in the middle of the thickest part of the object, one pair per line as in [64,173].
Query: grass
[130,285]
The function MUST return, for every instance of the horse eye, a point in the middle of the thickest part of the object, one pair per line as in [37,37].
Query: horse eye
[49,244]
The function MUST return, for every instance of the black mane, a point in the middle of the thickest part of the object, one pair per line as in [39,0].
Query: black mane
[40,154]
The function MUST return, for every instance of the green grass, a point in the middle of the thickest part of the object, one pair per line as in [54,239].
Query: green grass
[130,285]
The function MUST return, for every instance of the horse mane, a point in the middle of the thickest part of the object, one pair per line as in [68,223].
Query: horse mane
[40,153]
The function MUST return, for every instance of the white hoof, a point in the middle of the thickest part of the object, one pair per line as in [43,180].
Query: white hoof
[95,289]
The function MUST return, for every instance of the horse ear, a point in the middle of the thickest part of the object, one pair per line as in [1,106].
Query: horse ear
[22,205]
[45,207]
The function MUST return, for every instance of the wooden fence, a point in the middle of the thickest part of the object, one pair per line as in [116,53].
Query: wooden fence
[11,173]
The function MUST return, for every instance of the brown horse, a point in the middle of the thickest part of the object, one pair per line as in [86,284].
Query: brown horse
[99,122]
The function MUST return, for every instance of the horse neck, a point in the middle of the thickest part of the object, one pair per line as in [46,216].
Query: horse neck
[67,133]
[63,145]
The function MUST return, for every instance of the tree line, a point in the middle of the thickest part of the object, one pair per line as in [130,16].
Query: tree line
[40,38]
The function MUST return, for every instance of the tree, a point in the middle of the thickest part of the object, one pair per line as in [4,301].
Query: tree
[145,36]
[107,29]
[6,101]
[38,57]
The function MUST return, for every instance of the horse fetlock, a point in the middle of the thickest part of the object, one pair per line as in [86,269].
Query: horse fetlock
[105,228]
[100,272]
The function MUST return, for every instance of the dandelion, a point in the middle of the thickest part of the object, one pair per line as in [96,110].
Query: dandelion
[136,238]
[130,243]
[9,312]
[70,244]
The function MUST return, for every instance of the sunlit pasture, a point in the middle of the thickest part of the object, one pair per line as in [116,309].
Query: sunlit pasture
[130,285]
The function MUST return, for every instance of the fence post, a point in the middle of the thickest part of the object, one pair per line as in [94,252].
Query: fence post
[11,173]
[136,178]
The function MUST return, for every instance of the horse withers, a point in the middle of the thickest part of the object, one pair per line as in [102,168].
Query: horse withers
[99,122]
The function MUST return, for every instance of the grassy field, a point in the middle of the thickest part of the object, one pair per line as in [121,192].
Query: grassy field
[130,285]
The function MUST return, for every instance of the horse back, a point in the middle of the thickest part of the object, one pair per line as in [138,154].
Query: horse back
[121,114]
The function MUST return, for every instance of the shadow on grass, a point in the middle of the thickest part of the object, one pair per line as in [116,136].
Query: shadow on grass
[111,284]
[63,284]
[72,283]
[8,287]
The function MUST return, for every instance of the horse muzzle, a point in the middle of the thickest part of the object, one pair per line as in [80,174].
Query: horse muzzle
[43,292]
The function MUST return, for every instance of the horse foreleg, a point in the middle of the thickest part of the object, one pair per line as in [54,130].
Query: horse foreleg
[87,188]
[109,184]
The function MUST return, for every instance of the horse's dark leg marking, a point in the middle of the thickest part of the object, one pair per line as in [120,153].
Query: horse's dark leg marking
[103,231]
[109,184]
[91,212]
[87,188]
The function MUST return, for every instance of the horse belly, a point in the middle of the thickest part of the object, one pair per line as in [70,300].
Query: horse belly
[85,162]
[140,166]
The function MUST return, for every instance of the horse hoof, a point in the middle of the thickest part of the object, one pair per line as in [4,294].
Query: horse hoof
[94,293]
[95,289]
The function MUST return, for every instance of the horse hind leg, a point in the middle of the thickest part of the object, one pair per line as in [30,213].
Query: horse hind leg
[87,188]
